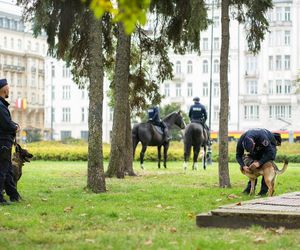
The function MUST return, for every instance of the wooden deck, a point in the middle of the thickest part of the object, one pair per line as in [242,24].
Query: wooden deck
[277,211]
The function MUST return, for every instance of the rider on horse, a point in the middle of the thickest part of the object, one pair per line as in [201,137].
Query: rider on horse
[198,114]
[153,118]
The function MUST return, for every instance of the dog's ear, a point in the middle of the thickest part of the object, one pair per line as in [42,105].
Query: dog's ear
[18,147]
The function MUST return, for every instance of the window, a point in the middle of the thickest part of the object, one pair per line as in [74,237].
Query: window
[216,22]
[178,67]
[12,43]
[111,114]
[205,67]
[251,87]
[66,112]
[66,71]
[84,135]
[287,86]
[280,111]
[216,113]
[279,11]
[287,14]
[53,93]
[205,43]
[66,92]
[53,70]
[251,112]
[65,134]
[216,66]
[178,89]
[205,89]
[28,45]
[189,67]
[216,89]
[190,89]
[287,62]
[270,87]
[216,43]
[278,62]
[287,38]
[33,98]
[82,115]
[53,114]
[271,39]
[251,65]
[5,42]
[167,89]
[270,63]
[279,37]
[278,87]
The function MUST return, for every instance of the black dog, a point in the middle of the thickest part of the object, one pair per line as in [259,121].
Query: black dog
[20,156]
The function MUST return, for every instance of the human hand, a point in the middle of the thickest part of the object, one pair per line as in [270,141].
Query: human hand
[18,128]
[254,165]
[246,169]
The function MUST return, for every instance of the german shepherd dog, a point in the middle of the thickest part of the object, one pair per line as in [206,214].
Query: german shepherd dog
[20,156]
[269,171]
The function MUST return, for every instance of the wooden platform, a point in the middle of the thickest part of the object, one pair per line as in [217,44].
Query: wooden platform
[277,211]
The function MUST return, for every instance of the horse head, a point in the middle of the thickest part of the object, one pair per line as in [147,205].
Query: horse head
[174,118]
[179,120]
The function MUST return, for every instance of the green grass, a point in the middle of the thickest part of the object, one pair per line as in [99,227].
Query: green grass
[155,210]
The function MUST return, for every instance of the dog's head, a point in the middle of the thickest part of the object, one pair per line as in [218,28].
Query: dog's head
[23,154]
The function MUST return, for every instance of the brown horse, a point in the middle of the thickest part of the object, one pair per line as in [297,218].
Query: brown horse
[148,135]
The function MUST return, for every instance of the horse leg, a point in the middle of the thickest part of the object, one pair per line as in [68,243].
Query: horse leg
[196,153]
[135,142]
[166,147]
[187,152]
[209,159]
[159,155]
[144,147]
[204,157]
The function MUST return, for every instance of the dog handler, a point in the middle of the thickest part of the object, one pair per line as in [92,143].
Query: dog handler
[8,130]
[261,146]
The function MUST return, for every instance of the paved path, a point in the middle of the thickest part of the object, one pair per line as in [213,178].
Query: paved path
[283,210]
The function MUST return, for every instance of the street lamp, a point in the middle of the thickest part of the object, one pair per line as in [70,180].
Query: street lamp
[209,160]
[51,102]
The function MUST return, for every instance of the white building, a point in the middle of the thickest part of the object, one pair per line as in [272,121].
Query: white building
[260,87]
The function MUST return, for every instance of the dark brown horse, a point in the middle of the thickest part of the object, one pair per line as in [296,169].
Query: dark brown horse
[195,136]
[148,135]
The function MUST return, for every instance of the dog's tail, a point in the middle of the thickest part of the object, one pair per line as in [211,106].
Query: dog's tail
[283,169]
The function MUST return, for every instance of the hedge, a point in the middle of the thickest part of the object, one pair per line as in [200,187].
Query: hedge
[57,151]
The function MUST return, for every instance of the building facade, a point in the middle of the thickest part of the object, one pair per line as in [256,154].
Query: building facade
[22,62]
[261,87]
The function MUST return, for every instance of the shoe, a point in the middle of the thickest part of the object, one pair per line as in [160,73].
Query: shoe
[4,203]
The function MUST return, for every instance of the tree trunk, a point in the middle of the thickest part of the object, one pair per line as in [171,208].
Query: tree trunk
[224,179]
[96,176]
[121,82]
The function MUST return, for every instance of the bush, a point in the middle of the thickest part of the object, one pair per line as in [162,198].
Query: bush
[78,151]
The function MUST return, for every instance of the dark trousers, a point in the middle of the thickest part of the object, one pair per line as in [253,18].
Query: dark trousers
[6,175]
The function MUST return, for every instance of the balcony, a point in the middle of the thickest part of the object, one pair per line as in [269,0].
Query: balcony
[178,77]
[13,68]
[251,74]
[41,72]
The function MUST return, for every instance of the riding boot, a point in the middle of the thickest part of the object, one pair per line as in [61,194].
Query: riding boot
[264,188]
[248,188]
[166,135]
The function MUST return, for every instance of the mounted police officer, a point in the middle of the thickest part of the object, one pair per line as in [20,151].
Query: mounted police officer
[8,130]
[198,114]
[153,118]
[261,146]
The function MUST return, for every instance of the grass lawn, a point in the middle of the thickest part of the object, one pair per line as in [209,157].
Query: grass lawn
[155,210]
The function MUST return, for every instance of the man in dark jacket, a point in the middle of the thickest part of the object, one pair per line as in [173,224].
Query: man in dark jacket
[261,146]
[153,117]
[198,114]
[8,130]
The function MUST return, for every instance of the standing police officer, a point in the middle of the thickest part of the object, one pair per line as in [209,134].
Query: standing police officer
[198,114]
[261,146]
[8,130]
[153,117]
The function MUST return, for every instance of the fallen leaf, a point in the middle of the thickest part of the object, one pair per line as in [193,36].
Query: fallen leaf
[82,215]
[260,240]
[218,200]
[159,206]
[44,199]
[239,204]
[173,230]
[279,230]
[191,215]
[232,196]
[148,242]
[90,240]
[68,209]
[169,207]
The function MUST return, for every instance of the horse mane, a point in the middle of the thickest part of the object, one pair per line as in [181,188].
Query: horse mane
[169,115]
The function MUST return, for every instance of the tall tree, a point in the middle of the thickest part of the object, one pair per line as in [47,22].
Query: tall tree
[253,15]
[75,35]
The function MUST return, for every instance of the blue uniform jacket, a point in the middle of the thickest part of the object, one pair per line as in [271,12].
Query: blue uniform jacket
[153,114]
[265,146]
[198,112]
[7,126]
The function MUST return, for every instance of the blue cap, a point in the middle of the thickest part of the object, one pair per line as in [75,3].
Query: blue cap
[196,99]
[3,82]
[248,144]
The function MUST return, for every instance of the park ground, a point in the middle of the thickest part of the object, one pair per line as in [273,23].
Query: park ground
[155,210]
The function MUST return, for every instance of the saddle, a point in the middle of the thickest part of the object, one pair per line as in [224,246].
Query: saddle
[158,129]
